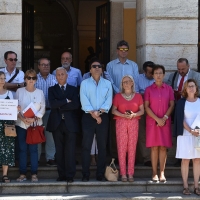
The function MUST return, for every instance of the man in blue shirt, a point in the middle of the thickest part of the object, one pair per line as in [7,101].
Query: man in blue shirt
[122,66]
[74,74]
[145,80]
[44,81]
[96,100]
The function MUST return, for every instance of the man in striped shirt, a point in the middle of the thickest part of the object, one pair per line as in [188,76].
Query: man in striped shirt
[44,81]
[144,80]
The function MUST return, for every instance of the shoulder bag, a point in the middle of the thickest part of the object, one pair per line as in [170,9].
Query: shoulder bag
[111,173]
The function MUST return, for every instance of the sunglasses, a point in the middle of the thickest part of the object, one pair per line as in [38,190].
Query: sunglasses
[95,66]
[123,49]
[30,77]
[11,59]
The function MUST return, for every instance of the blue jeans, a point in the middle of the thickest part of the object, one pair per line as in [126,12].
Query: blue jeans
[23,147]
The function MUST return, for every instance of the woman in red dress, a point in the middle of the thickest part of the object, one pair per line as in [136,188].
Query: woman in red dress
[127,108]
[159,103]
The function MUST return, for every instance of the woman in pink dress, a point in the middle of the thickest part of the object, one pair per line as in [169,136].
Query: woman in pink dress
[127,108]
[159,104]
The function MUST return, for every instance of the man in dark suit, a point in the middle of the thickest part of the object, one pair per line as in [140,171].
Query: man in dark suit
[63,123]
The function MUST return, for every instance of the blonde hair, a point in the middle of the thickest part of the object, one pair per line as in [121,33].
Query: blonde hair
[121,84]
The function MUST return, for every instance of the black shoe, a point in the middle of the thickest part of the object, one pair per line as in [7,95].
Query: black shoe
[178,163]
[51,163]
[148,164]
[61,179]
[100,178]
[69,179]
[85,178]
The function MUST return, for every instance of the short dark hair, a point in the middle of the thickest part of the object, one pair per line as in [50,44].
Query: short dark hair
[148,64]
[122,43]
[95,59]
[43,59]
[9,52]
[158,67]
[180,60]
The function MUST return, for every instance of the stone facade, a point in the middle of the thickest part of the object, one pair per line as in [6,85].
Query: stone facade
[166,31]
[10,28]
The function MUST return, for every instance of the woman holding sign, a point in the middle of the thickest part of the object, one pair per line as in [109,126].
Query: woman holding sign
[187,110]
[7,144]
[27,96]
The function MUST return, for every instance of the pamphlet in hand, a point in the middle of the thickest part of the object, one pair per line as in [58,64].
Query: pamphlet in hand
[30,111]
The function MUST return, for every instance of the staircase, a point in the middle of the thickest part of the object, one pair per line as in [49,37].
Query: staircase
[48,185]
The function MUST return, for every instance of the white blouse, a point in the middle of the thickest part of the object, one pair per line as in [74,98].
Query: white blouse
[25,98]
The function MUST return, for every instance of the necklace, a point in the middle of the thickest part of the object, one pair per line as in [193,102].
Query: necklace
[128,97]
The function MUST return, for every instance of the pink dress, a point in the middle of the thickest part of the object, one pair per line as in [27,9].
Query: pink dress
[159,101]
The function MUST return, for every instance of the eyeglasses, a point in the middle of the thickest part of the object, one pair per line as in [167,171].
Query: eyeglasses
[66,58]
[11,59]
[2,79]
[44,65]
[157,73]
[33,78]
[190,86]
[123,49]
[127,82]
[95,66]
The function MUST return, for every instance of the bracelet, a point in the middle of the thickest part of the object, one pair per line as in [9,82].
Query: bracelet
[166,116]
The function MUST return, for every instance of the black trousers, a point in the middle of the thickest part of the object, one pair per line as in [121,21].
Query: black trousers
[65,143]
[89,127]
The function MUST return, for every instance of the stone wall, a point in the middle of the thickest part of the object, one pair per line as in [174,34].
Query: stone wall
[10,28]
[166,31]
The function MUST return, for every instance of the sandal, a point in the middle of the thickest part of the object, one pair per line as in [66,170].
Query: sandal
[34,178]
[197,191]
[21,178]
[130,179]
[124,179]
[5,179]
[186,191]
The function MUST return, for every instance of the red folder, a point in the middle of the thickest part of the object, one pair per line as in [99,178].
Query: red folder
[29,113]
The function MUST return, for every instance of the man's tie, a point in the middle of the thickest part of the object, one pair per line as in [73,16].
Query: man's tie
[180,87]
[63,89]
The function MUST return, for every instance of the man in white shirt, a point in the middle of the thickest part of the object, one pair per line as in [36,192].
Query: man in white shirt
[14,77]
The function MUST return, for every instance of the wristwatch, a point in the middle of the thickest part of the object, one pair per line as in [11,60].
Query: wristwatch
[100,112]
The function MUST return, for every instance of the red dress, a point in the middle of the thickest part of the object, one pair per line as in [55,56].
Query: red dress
[159,100]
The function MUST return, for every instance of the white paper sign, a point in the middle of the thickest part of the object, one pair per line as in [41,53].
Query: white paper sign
[8,109]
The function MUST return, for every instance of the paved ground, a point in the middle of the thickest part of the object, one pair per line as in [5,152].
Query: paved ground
[103,196]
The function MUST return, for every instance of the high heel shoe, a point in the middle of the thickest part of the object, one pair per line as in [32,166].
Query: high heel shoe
[155,178]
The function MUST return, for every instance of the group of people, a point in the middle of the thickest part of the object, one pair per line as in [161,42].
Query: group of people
[137,101]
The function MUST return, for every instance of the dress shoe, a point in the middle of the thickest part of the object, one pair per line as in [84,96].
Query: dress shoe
[69,179]
[85,178]
[147,163]
[61,179]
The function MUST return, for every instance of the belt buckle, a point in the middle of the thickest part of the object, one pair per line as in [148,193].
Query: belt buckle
[63,117]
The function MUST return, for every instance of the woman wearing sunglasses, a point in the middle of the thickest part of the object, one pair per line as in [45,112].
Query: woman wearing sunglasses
[25,96]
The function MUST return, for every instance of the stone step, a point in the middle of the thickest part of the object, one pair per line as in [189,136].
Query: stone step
[140,172]
[49,186]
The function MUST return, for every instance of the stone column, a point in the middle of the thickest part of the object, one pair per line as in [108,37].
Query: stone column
[166,31]
[10,28]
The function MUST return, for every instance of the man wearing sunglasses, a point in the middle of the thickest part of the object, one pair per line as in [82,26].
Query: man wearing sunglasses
[44,81]
[14,77]
[122,66]
[96,100]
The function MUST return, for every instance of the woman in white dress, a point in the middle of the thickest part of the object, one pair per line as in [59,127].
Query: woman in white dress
[187,109]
